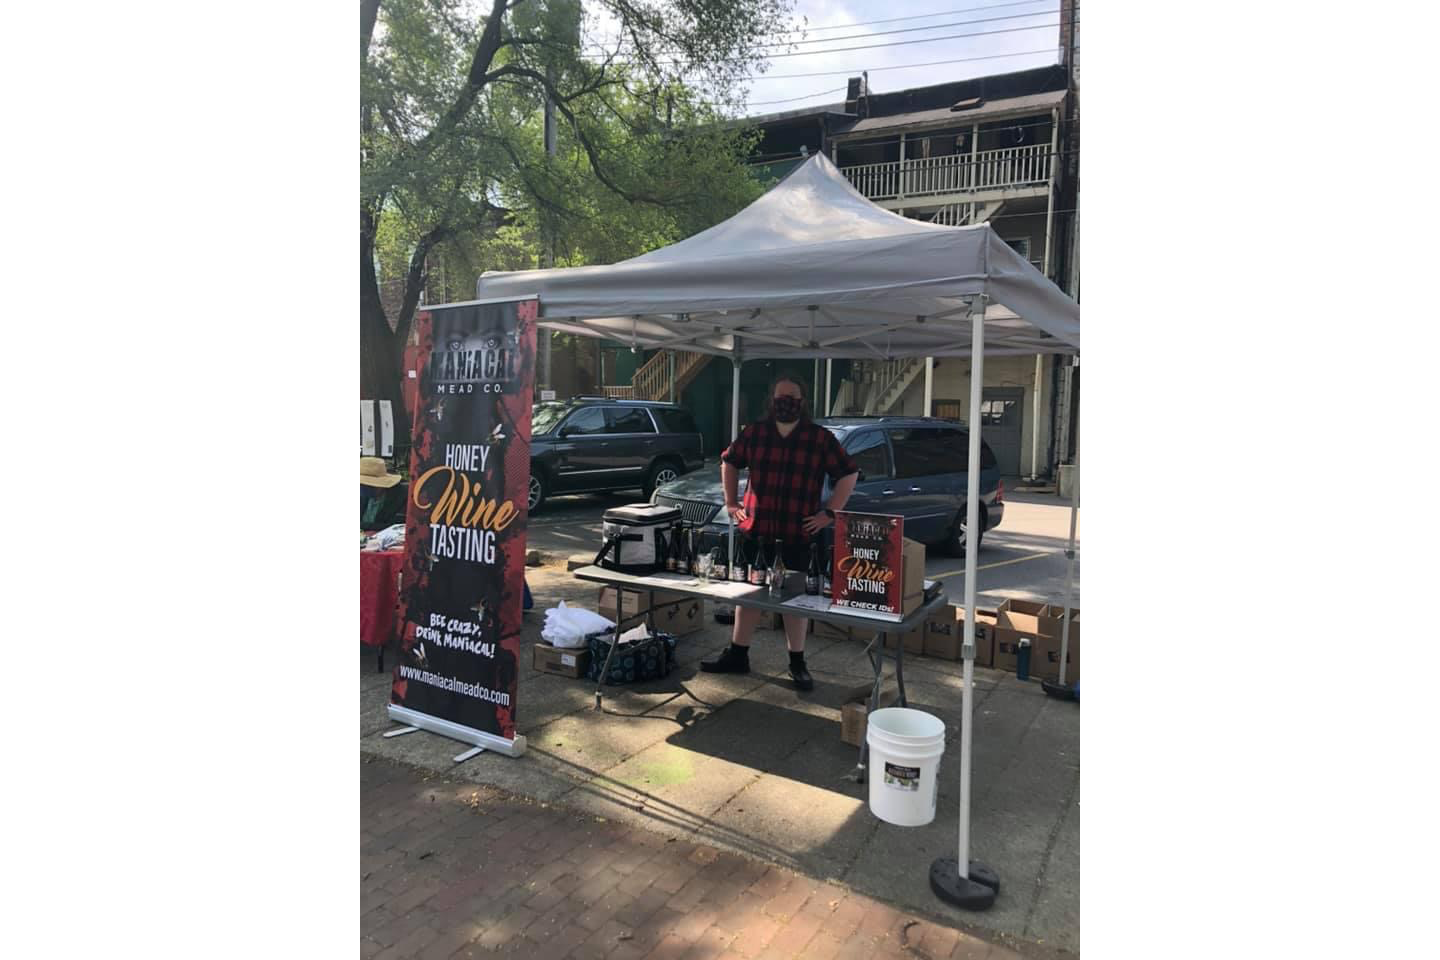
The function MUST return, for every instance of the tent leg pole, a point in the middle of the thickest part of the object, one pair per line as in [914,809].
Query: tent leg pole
[829,373]
[964,882]
[734,433]
[1070,563]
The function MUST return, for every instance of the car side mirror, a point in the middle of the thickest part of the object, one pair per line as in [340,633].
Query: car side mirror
[565,432]
[861,478]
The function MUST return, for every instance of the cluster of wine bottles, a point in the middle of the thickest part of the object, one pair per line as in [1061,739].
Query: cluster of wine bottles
[680,547]
[756,563]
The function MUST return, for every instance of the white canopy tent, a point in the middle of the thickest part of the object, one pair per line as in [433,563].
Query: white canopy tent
[813,269]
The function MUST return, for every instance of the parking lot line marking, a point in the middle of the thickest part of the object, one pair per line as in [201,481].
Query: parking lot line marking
[998,563]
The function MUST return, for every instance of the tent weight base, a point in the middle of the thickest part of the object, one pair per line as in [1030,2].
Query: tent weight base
[975,893]
[1060,691]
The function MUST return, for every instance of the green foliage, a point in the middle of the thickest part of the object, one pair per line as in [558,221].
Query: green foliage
[452,148]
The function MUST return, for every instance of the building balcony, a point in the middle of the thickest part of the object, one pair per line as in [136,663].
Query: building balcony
[1008,172]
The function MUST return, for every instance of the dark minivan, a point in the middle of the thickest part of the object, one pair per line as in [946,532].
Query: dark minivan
[593,444]
[911,466]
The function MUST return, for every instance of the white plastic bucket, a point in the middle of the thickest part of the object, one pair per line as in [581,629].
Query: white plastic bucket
[904,774]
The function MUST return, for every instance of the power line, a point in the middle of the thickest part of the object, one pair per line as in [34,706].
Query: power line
[922,16]
[870,46]
[907,66]
[822,93]
[933,26]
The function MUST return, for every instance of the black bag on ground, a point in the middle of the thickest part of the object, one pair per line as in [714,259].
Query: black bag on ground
[635,662]
[632,537]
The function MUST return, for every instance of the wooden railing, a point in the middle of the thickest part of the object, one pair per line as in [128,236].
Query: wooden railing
[933,176]
[652,380]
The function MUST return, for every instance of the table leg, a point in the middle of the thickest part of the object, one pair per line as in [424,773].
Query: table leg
[900,671]
[877,664]
[605,670]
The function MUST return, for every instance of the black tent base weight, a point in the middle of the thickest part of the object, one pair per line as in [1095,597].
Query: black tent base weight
[975,893]
[1060,691]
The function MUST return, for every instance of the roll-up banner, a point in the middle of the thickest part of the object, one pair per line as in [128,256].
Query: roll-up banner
[462,596]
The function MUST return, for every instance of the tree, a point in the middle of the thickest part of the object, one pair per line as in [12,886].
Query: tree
[453,160]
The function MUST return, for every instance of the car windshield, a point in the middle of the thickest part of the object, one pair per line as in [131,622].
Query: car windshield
[544,417]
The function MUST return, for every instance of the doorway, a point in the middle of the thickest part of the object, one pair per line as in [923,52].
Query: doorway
[1001,415]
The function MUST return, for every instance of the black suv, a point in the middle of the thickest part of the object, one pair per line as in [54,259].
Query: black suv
[591,444]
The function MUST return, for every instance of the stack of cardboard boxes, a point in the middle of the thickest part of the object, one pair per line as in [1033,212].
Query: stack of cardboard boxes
[1042,624]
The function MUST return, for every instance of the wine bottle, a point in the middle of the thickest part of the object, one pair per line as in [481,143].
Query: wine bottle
[740,573]
[662,550]
[812,572]
[777,571]
[692,552]
[759,569]
[680,548]
[827,582]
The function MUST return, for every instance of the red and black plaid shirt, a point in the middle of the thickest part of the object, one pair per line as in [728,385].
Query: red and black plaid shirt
[787,475]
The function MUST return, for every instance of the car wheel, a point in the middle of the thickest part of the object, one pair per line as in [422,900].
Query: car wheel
[538,491]
[955,541]
[662,473]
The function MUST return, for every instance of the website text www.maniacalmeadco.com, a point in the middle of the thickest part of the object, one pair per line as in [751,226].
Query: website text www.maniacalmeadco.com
[498,697]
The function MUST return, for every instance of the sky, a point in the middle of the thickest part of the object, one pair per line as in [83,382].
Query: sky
[889,65]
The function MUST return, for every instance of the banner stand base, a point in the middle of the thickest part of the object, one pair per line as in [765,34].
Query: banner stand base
[473,751]
[399,733]
[455,731]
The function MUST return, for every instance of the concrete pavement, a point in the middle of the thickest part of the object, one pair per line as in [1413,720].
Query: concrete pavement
[454,870]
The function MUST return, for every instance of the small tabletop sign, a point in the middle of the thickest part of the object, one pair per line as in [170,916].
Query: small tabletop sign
[869,553]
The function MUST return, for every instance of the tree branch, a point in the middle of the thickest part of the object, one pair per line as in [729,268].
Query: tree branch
[562,104]
[475,80]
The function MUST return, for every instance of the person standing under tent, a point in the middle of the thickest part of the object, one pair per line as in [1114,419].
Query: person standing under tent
[788,456]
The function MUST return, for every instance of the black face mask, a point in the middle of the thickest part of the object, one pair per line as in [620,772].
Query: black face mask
[787,409]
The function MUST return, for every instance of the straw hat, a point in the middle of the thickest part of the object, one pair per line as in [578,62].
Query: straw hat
[373,474]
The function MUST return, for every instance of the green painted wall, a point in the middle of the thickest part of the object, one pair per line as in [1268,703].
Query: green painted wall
[708,395]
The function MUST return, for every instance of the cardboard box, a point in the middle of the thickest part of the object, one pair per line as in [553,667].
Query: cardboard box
[678,617]
[1024,616]
[1007,646]
[672,612]
[1045,659]
[852,722]
[562,661]
[945,635]
[914,641]
[912,576]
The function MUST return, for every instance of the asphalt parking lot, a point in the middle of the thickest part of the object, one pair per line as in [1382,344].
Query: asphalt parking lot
[1023,557]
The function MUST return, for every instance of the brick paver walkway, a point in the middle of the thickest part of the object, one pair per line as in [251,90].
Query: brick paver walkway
[459,870]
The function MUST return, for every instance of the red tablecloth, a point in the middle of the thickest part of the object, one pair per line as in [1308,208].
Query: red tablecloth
[379,593]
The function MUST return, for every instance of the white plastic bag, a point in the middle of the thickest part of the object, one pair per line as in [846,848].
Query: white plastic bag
[568,626]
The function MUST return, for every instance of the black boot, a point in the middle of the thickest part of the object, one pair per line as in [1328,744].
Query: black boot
[798,673]
[733,660]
